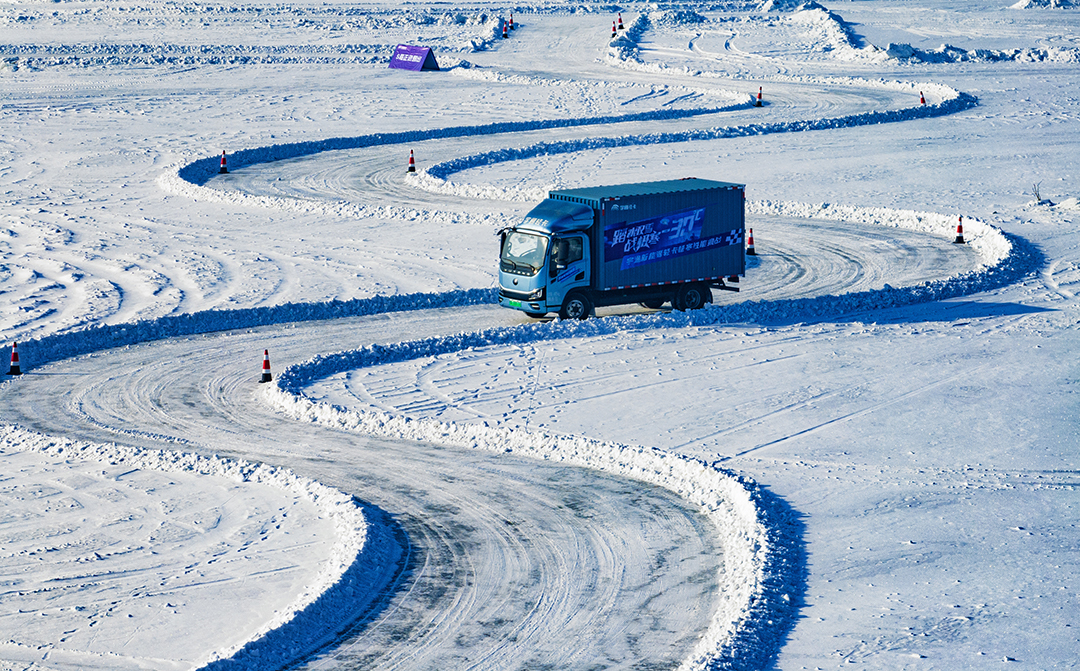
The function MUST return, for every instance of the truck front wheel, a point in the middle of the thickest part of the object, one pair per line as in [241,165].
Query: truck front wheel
[692,297]
[576,306]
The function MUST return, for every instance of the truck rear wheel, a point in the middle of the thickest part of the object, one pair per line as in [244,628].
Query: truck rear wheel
[576,306]
[692,297]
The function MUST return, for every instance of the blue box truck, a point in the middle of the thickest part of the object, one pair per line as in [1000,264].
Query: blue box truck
[646,243]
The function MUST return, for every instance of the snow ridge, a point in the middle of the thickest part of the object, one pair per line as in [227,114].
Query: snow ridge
[344,583]
[752,568]
[199,172]
[764,563]
[947,53]
[189,179]
[1004,260]
[763,555]
[435,178]
[99,337]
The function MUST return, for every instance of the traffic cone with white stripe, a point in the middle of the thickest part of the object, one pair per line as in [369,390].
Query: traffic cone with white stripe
[959,231]
[506,30]
[621,26]
[758,102]
[266,376]
[412,162]
[14,370]
[223,170]
[922,98]
[750,244]
[512,22]
[613,31]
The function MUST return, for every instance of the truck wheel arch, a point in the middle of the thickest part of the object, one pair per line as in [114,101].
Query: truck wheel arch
[576,305]
[692,296]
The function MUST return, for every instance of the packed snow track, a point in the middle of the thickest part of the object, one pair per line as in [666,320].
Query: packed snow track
[507,559]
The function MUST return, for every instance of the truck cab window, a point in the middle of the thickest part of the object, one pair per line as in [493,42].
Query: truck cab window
[567,250]
[524,253]
[575,251]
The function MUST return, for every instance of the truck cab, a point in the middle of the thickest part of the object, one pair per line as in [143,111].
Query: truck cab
[546,257]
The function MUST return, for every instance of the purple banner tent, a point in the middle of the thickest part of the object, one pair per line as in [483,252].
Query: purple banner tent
[408,57]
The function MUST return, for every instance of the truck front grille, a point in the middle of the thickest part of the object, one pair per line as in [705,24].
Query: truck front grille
[515,295]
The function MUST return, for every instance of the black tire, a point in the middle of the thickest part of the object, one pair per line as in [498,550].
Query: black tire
[535,315]
[692,297]
[654,304]
[576,306]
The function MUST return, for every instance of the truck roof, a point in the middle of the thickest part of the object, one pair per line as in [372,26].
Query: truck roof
[643,189]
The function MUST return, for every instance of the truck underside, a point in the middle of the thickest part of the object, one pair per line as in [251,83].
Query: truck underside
[580,303]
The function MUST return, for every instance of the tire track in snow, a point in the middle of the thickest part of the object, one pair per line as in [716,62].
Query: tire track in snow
[497,535]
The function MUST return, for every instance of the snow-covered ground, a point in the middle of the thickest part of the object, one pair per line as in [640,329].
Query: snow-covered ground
[908,406]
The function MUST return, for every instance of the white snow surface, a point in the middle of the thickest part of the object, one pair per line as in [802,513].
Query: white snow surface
[880,428]
[96,534]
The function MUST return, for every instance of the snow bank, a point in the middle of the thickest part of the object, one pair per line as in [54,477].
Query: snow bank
[1004,259]
[100,337]
[759,571]
[753,573]
[460,33]
[762,564]
[344,582]
[188,178]
[833,35]
[1043,4]
[992,245]
[947,53]
[1069,204]
[825,32]
[436,177]
[787,5]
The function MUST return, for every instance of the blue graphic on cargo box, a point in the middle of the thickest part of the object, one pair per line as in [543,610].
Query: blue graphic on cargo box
[660,238]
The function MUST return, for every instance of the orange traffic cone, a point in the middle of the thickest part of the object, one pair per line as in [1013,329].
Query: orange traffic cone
[959,231]
[922,98]
[15,370]
[512,22]
[758,103]
[613,31]
[506,29]
[412,162]
[223,170]
[750,244]
[266,376]
[621,26]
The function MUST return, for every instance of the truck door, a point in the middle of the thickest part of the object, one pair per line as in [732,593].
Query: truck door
[569,267]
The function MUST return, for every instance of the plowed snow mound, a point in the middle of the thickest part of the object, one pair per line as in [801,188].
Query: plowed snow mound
[1043,4]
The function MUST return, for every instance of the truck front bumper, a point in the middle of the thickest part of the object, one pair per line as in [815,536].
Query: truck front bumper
[524,302]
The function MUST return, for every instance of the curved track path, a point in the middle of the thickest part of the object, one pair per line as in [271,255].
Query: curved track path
[509,559]
[510,563]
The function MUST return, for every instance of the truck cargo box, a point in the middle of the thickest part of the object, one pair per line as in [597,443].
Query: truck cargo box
[665,232]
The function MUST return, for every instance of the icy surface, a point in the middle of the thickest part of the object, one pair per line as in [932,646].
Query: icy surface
[907,405]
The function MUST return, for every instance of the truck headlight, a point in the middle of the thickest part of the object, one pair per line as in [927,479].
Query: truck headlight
[537,295]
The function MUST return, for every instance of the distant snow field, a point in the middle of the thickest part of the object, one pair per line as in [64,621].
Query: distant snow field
[865,458]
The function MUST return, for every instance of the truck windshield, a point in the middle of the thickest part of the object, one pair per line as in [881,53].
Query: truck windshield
[524,253]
